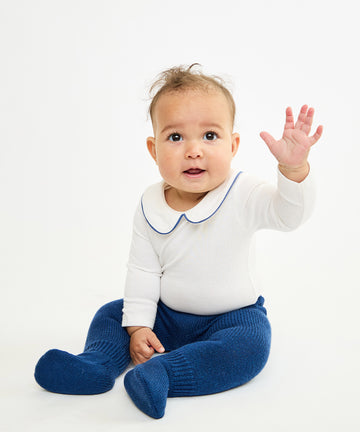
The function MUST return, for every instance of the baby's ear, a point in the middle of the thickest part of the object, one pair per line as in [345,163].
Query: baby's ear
[235,141]
[150,142]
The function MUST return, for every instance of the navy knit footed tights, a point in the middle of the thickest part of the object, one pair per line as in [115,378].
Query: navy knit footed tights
[204,355]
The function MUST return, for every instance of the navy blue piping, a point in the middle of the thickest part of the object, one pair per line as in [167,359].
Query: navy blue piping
[184,215]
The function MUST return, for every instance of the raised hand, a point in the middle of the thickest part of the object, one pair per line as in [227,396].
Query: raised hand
[293,148]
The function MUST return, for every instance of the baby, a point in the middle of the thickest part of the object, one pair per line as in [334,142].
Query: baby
[189,290]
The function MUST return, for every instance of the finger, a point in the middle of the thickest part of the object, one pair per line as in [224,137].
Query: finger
[301,117]
[143,353]
[270,141]
[289,119]
[317,135]
[306,127]
[139,359]
[155,343]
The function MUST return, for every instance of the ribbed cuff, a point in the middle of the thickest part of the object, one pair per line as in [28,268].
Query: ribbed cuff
[181,375]
[119,356]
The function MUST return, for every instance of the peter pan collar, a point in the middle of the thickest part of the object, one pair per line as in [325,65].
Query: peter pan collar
[163,219]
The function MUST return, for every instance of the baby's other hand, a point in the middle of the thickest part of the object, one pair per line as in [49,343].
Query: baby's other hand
[143,344]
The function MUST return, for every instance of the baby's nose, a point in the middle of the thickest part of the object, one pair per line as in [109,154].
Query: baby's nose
[193,151]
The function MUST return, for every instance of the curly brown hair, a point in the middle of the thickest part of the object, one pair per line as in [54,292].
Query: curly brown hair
[182,78]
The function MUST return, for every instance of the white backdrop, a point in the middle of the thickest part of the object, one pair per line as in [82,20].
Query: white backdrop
[74,77]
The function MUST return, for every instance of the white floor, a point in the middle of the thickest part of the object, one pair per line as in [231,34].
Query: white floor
[311,383]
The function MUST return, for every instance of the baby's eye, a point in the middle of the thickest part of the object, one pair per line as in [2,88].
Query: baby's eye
[210,136]
[175,137]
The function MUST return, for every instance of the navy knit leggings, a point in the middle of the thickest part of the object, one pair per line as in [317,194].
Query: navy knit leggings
[204,354]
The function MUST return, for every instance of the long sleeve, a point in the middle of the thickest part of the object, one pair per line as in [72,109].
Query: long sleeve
[142,288]
[284,207]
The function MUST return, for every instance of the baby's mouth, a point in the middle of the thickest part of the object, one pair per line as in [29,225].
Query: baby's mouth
[194,171]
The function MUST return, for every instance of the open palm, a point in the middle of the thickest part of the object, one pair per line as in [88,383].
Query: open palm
[293,148]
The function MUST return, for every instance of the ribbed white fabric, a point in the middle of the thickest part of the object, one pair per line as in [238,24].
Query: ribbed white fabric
[199,261]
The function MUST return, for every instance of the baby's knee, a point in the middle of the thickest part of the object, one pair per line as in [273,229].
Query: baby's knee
[254,354]
[249,348]
[112,309]
[259,345]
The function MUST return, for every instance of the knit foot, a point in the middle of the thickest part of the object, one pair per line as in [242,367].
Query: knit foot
[88,373]
[148,386]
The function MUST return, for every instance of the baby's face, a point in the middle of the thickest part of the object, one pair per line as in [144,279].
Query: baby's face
[193,144]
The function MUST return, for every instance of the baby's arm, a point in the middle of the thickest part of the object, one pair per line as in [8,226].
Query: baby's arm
[142,293]
[143,344]
[293,148]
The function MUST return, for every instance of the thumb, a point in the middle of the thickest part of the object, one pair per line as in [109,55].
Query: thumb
[270,141]
[155,343]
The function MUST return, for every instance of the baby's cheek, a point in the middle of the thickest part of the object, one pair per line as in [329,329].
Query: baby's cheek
[166,168]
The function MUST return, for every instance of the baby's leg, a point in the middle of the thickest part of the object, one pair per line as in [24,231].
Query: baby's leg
[105,357]
[229,357]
